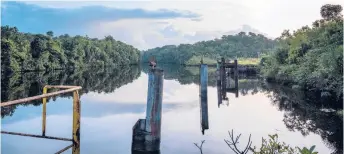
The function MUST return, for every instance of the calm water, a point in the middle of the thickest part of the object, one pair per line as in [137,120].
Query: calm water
[112,100]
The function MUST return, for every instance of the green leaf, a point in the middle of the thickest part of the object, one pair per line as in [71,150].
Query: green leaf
[312,148]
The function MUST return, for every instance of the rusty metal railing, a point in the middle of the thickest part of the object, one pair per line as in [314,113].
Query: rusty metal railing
[76,115]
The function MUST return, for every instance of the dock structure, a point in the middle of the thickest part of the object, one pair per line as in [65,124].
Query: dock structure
[224,69]
[204,96]
[147,132]
[76,115]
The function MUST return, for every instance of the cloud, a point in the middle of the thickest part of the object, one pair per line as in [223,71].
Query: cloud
[157,23]
[35,18]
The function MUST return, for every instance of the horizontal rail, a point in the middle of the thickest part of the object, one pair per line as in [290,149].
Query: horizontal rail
[39,96]
[64,149]
[60,86]
[37,136]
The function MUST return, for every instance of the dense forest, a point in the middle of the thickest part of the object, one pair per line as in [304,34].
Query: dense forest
[28,52]
[310,57]
[229,46]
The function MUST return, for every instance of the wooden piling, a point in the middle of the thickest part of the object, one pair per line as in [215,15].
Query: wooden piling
[76,123]
[147,132]
[204,96]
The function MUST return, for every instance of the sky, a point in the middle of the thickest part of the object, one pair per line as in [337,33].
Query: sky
[149,24]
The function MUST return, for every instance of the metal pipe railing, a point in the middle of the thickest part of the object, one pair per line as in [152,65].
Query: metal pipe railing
[24,100]
[76,114]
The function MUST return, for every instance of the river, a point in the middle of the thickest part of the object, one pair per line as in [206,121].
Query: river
[113,99]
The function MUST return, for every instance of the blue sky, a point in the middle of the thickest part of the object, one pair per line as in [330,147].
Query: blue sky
[156,23]
[75,21]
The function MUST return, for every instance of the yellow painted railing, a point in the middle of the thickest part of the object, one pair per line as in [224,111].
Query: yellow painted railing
[76,115]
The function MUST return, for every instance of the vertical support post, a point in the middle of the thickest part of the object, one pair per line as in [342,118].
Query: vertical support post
[204,96]
[153,114]
[223,78]
[76,123]
[44,112]
[236,74]
[219,92]
[147,132]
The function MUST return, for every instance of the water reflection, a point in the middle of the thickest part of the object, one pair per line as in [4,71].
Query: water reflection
[303,113]
[30,84]
[114,100]
[75,139]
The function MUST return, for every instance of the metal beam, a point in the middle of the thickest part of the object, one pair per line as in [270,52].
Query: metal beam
[37,136]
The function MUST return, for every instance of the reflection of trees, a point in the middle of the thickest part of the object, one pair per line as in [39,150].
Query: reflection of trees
[303,113]
[92,80]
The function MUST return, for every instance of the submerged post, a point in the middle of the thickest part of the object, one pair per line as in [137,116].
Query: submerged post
[76,123]
[146,132]
[204,96]
[44,112]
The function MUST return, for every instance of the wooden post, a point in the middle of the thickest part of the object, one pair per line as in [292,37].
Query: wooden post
[204,96]
[44,112]
[76,123]
[146,132]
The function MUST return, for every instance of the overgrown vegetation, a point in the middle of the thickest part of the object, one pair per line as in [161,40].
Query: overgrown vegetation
[270,146]
[310,57]
[242,45]
[29,52]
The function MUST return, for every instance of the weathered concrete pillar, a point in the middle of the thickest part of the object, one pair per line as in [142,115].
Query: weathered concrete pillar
[44,112]
[219,92]
[76,123]
[236,73]
[146,132]
[204,96]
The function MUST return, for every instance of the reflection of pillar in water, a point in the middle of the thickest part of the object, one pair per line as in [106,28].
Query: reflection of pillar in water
[146,132]
[76,123]
[204,96]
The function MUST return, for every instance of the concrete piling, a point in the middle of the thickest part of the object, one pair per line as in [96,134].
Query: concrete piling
[204,96]
[76,123]
[44,112]
[146,132]
[218,77]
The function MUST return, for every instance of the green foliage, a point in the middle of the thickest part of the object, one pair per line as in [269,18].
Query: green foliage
[29,52]
[307,151]
[310,57]
[229,46]
[273,146]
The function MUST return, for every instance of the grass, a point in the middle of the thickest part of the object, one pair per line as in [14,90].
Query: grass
[248,61]
[195,60]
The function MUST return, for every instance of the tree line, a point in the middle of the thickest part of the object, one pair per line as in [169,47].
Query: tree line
[310,57]
[229,46]
[30,52]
